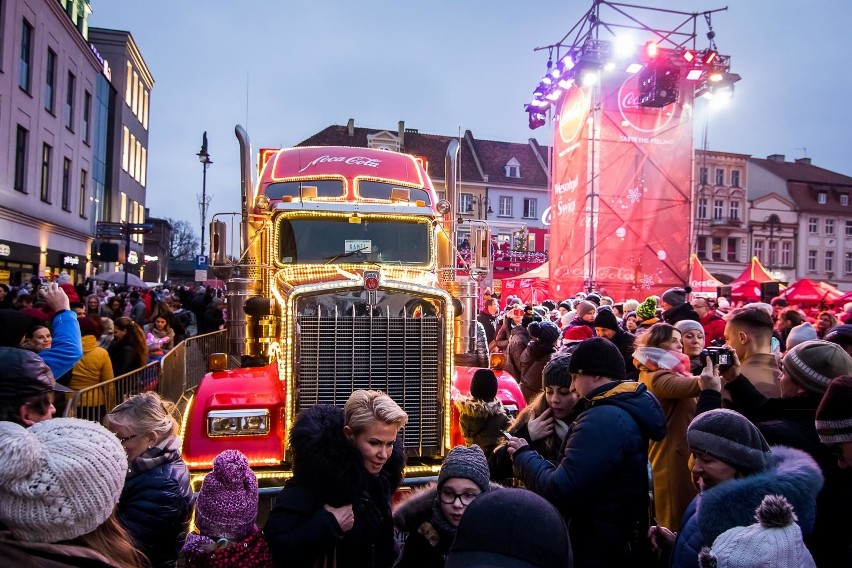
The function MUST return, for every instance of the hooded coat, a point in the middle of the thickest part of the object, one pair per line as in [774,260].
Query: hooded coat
[519,338]
[328,470]
[601,484]
[481,421]
[794,474]
[533,359]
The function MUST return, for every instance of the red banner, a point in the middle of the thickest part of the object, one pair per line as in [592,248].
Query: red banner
[569,237]
[642,191]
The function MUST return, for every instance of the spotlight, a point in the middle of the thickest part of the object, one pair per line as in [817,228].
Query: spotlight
[624,47]
[588,78]
[634,68]
[554,95]
[651,49]
[715,76]
[688,56]
[609,66]
[694,74]
[566,83]
[568,62]
[537,120]
[710,56]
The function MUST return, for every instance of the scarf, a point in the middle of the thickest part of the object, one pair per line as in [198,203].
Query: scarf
[167,451]
[654,359]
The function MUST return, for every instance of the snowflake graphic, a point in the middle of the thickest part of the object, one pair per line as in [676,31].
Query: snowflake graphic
[634,195]
[647,281]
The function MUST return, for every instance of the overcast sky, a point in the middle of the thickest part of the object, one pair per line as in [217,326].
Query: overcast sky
[287,69]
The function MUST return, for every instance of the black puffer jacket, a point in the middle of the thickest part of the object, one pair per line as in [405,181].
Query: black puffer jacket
[328,469]
[601,484]
[155,506]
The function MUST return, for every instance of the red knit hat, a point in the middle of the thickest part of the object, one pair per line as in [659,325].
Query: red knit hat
[578,333]
[834,415]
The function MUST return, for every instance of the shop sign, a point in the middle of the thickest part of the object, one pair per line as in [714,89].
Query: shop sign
[69,260]
[5,250]
[133,257]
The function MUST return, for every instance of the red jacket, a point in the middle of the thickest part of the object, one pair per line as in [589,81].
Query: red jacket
[714,327]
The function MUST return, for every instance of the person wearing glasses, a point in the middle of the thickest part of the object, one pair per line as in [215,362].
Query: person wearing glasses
[156,499]
[347,464]
[431,516]
[713,324]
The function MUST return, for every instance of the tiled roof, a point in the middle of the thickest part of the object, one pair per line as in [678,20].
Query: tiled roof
[803,172]
[806,181]
[492,155]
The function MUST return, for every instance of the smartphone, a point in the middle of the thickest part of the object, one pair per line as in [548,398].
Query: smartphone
[506,435]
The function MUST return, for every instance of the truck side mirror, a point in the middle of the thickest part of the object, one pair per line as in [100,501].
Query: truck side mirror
[218,243]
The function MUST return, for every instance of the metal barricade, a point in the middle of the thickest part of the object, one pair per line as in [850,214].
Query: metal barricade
[179,370]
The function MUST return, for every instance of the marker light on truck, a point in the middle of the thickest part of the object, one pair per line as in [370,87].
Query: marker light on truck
[240,422]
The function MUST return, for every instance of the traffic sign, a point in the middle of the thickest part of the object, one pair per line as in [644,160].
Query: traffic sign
[201,262]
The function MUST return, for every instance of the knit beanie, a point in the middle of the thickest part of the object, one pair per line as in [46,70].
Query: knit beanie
[598,356]
[688,325]
[577,333]
[227,503]
[584,307]
[730,437]
[834,415]
[13,327]
[466,463]
[647,309]
[841,334]
[607,320]
[556,372]
[511,528]
[566,305]
[59,479]
[775,540]
[814,363]
[676,296]
[483,385]
[546,332]
[595,298]
[549,305]
[801,333]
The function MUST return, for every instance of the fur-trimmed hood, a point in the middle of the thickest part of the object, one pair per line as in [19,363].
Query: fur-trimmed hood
[478,408]
[409,514]
[328,464]
[794,474]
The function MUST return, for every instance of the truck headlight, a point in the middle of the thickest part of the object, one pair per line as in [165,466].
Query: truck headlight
[242,422]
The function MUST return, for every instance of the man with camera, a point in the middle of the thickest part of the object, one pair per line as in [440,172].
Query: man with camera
[749,333]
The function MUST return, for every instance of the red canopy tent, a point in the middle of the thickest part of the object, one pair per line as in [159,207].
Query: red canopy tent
[754,271]
[530,287]
[842,300]
[808,292]
[702,282]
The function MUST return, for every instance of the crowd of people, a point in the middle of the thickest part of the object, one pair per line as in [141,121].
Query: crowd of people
[637,446]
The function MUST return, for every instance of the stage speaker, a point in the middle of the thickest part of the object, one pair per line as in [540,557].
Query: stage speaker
[769,290]
[723,291]
[658,86]
[106,252]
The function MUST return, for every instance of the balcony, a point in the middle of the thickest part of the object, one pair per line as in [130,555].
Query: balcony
[726,222]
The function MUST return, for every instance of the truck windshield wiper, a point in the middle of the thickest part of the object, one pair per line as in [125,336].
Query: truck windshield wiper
[330,259]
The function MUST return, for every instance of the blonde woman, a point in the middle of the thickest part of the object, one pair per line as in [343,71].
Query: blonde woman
[155,502]
[346,466]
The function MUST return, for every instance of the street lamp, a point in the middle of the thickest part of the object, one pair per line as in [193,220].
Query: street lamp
[773,222]
[204,158]
[478,200]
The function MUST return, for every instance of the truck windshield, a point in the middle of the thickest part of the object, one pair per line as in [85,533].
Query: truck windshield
[340,240]
[324,188]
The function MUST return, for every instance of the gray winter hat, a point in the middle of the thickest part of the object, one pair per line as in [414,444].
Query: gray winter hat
[813,364]
[467,463]
[730,437]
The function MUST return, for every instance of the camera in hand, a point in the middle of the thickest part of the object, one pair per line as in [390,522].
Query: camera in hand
[721,356]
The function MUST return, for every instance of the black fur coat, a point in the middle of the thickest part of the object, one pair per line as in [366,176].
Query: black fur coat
[328,469]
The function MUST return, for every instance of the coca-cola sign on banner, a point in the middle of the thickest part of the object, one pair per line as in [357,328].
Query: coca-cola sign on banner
[643,119]
[352,160]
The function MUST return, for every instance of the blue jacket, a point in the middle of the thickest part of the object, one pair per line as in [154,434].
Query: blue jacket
[67,346]
[601,484]
[794,475]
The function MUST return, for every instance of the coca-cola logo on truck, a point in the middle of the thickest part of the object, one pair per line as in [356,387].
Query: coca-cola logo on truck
[353,160]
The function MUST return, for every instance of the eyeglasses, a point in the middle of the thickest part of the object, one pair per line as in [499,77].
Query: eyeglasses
[125,438]
[449,497]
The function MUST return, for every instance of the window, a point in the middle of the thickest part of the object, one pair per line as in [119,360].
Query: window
[733,249]
[735,178]
[442,195]
[46,152]
[21,139]
[773,253]
[69,101]
[122,212]
[128,85]
[813,226]
[466,203]
[143,167]
[135,103]
[758,251]
[829,227]
[530,208]
[718,209]
[720,176]
[87,116]
[702,176]
[829,261]
[137,164]
[84,178]
[145,113]
[131,169]
[125,150]
[50,82]
[844,199]
[717,248]
[847,264]
[504,209]
[66,184]
[849,228]
[812,260]
[25,67]
[735,209]
[786,253]
[701,248]
[702,208]
[822,198]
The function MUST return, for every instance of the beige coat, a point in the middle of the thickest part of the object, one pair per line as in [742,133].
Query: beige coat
[673,486]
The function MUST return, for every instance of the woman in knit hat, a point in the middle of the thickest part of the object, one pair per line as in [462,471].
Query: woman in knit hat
[544,422]
[225,514]
[482,415]
[665,370]
[542,345]
[431,516]
[60,481]
[735,469]
[155,501]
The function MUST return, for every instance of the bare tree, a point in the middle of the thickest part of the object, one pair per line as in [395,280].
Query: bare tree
[184,243]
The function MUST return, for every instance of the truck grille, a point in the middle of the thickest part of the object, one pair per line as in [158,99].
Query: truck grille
[398,355]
